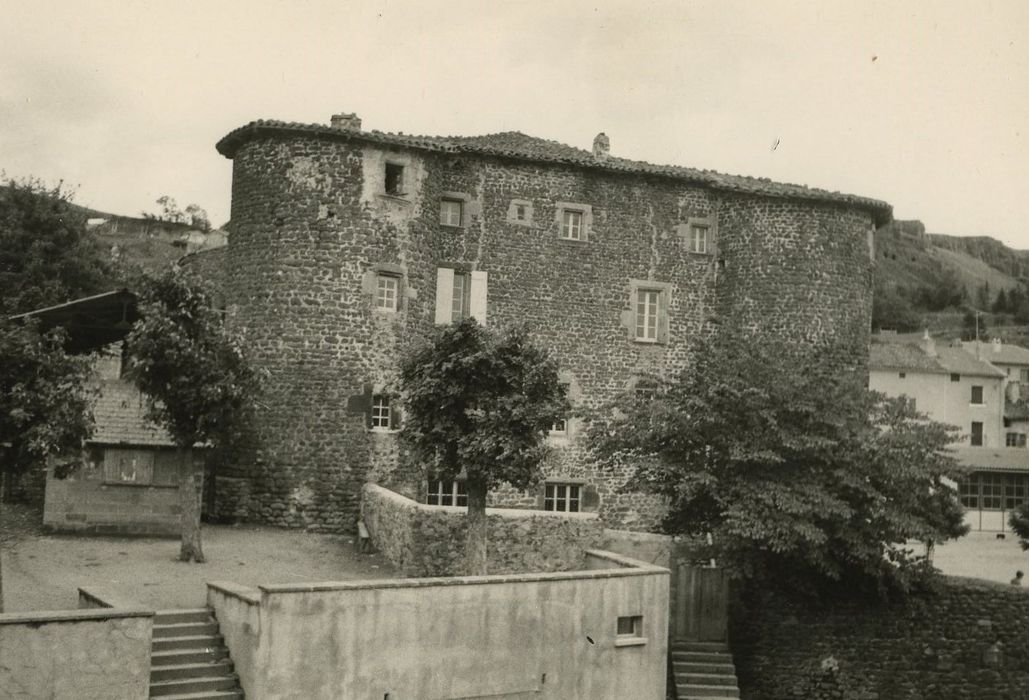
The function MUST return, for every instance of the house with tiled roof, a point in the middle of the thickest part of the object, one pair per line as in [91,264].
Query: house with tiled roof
[959,384]
[348,245]
[126,480]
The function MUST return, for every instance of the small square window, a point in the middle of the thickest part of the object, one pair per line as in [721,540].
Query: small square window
[699,238]
[977,395]
[630,626]
[955,377]
[571,225]
[382,413]
[562,497]
[394,179]
[521,212]
[903,375]
[450,212]
[386,292]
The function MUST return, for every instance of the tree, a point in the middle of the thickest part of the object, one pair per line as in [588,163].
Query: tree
[46,255]
[198,217]
[45,399]
[169,209]
[800,474]
[1019,521]
[480,403]
[1000,304]
[196,379]
[973,326]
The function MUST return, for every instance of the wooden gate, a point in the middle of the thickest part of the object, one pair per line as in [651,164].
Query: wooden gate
[700,604]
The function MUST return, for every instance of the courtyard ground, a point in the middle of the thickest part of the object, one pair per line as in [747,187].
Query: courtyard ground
[44,572]
[982,555]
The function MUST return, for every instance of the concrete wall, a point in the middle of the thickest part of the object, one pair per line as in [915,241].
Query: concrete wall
[82,501]
[949,402]
[422,540]
[968,642]
[311,221]
[531,635]
[95,654]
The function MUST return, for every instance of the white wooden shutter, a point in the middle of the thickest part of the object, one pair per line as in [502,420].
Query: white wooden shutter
[444,295]
[477,298]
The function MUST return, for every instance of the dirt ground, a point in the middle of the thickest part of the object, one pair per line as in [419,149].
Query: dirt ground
[43,572]
[982,555]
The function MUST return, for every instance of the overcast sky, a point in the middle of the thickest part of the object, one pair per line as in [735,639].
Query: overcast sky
[922,103]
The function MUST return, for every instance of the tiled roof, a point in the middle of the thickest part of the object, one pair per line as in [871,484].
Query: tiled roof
[120,418]
[514,144]
[959,361]
[1006,354]
[906,357]
[994,458]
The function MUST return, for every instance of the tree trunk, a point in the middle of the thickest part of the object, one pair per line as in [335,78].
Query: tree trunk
[189,502]
[476,562]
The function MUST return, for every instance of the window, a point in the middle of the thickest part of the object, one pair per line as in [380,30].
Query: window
[647,315]
[1014,439]
[699,238]
[446,493]
[460,295]
[386,292]
[629,631]
[955,377]
[991,486]
[560,426]
[571,225]
[459,306]
[968,491]
[1023,376]
[519,211]
[394,179]
[382,412]
[144,467]
[994,490]
[977,434]
[574,221]
[1015,490]
[902,375]
[977,395]
[450,212]
[562,497]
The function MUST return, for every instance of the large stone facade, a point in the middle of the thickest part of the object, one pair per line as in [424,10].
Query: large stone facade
[316,218]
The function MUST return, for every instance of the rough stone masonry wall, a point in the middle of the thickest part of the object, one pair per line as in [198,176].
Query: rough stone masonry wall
[311,227]
[423,540]
[936,648]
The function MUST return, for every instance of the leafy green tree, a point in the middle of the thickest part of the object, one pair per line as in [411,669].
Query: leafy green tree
[892,310]
[480,403]
[1019,521]
[983,296]
[800,474]
[1000,304]
[45,399]
[973,326]
[46,255]
[196,378]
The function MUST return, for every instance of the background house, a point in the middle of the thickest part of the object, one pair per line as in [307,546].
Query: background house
[959,384]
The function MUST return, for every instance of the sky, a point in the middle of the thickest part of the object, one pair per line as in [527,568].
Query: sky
[922,103]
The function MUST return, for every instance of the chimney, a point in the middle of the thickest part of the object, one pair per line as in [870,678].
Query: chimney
[996,345]
[350,122]
[601,146]
[928,344]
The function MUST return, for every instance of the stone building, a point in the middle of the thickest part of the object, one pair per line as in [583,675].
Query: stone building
[346,245]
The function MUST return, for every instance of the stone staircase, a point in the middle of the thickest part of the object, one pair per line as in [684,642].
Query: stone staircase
[704,671]
[189,660]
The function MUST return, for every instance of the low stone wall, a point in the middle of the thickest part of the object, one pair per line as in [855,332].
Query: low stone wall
[541,636]
[969,642]
[98,653]
[422,540]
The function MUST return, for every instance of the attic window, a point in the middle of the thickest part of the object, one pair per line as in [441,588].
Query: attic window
[394,179]
[955,377]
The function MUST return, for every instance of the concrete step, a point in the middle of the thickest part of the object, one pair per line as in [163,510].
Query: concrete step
[706,647]
[696,657]
[185,629]
[177,657]
[705,679]
[713,668]
[193,685]
[222,667]
[198,642]
[172,617]
[208,695]
[690,691]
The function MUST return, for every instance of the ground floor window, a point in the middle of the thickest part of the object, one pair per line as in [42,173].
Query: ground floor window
[447,493]
[1014,439]
[141,466]
[562,497]
[994,490]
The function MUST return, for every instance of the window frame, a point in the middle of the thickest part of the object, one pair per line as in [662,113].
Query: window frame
[457,493]
[1014,439]
[662,312]
[460,301]
[704,241]
[381,407]
[629,631]
[563,503]
[446,211]
[585,214]
[686,229]
[977,389]
[393,179]
[381,277]
[980,434]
